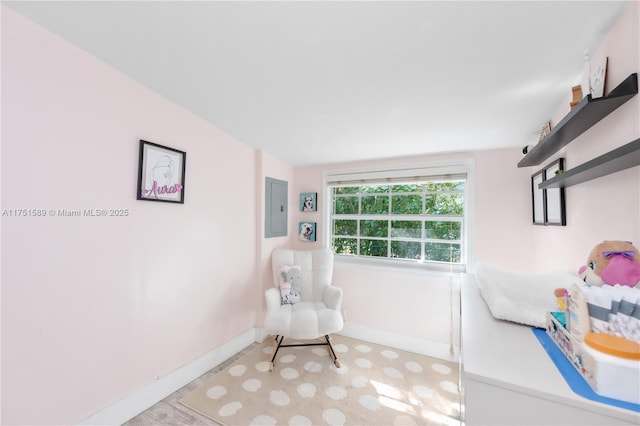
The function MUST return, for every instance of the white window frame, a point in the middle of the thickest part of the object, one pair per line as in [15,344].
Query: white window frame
[347,176]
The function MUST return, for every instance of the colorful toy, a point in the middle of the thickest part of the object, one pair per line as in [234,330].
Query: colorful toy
[612,262]
[561,298]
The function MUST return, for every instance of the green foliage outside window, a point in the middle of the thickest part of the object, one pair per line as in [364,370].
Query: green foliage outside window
[374,247]
[419,221]
[345,205]
[406,204]
[374,228]
[406,228]
[405,250]
[442,252]
[376,204]
[443,230]
[345,227]
[345,245]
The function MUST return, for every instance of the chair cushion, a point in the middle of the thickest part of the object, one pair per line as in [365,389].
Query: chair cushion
[289,282]
[304,320]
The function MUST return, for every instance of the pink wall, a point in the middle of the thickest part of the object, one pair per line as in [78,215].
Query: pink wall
[95,308]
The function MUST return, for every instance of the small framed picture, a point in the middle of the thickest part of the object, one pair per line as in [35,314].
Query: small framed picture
[308,201]
[307,231]
[161,173]
[597,80]
[546,129]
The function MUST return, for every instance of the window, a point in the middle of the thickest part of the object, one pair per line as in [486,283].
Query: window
[417,218]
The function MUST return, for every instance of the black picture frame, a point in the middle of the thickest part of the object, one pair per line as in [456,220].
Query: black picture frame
[161,173]
[548,203]
[555,210]
[538,199]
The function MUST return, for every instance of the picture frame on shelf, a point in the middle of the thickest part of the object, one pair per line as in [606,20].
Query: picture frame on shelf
[546,129]
[555,213]
[161,173]
[597,79]
[308,201]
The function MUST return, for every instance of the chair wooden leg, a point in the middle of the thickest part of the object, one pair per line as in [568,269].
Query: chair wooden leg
[275,352]
[336,362]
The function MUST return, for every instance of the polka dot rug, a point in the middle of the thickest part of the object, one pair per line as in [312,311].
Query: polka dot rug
[375,385]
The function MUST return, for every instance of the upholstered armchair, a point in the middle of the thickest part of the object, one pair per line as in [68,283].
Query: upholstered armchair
[303,304]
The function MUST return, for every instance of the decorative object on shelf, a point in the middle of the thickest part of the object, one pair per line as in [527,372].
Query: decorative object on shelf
[528,148]
[585,82]
[597,80]
[576,91]
[537,197]
[554,197]
[546,129]
[161,173]
[308,201]
[307,231]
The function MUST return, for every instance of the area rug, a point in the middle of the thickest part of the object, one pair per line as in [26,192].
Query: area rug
[375,385]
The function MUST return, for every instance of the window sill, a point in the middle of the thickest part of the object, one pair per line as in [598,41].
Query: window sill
[404,266]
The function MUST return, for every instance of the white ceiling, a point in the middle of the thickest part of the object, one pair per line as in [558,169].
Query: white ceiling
[326,82]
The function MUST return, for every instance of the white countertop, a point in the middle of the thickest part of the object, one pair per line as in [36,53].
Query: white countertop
[508,355]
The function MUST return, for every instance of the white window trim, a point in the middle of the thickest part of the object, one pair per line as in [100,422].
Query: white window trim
[466,166]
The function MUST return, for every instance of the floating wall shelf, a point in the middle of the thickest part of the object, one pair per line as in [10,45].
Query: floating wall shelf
[584,115]
[621,158]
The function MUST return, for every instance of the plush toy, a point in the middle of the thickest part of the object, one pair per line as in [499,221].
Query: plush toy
[612,262]
[294,278]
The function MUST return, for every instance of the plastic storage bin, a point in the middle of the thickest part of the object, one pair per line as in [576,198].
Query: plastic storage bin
[610,365]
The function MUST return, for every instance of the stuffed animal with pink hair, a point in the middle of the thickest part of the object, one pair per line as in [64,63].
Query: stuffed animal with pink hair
[612,262]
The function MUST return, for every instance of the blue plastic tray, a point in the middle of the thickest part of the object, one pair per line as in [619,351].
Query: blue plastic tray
[575,381]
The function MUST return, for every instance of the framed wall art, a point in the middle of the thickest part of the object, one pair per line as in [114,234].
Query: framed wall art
[161,172]
[544,131]
[597,80]
[307,231]
[548,203]
[555,207]
[308,201]
[537,197]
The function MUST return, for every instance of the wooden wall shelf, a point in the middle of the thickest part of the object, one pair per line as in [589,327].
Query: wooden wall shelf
[584,115]
[621,158]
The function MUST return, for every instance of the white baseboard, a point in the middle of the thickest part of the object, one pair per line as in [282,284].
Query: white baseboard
[136,403]
[399,341]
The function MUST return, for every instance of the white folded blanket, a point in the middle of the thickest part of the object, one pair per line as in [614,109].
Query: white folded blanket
[521,297]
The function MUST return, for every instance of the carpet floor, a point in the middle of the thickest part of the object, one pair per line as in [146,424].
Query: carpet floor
[375,385]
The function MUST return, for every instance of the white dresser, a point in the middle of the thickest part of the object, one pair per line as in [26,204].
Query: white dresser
[508,378]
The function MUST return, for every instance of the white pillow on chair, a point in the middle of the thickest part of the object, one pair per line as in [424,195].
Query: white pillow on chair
[289,282]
